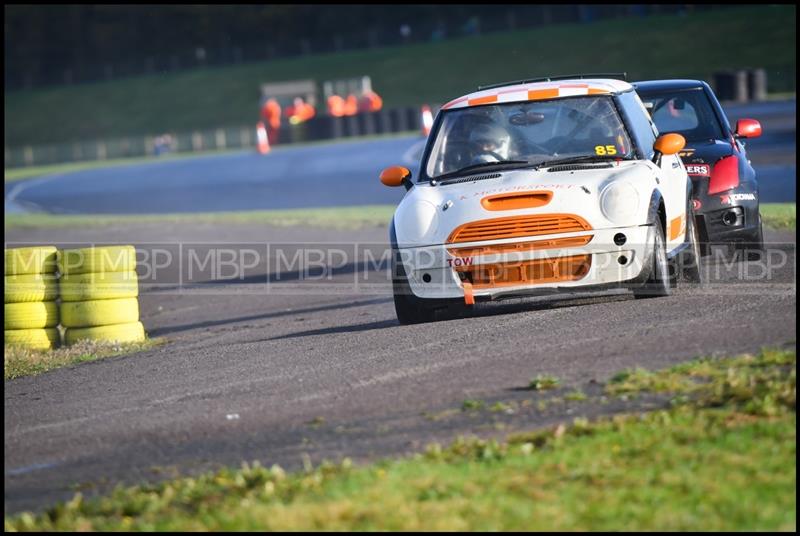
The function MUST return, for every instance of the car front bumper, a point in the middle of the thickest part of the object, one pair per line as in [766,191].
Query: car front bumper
[530,266]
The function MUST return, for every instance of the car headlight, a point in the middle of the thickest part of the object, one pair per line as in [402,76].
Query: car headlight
[416,221]
[619,202]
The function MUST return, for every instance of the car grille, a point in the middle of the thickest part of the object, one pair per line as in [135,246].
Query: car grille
[572,241]
[518,226]
[537,271]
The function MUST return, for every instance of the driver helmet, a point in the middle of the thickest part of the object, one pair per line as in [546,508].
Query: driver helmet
[490,138]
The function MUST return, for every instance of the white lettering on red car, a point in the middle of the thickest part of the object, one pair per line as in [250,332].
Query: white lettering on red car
[698,169]
[732,198]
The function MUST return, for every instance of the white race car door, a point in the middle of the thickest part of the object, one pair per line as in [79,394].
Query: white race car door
[673,186]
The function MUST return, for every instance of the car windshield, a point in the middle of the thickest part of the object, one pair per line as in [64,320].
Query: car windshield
[687,113]
[532,132]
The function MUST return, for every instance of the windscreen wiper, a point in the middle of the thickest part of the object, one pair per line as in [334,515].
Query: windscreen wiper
[499,163]
[584,158]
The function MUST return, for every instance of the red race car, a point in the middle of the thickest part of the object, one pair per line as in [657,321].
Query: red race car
[725,190]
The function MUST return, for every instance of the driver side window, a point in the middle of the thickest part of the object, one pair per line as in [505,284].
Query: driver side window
[676,114]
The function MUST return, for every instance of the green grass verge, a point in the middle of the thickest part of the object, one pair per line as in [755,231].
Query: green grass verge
[655,47]
[336,218]
[722,458]
[779,215]
[19,361]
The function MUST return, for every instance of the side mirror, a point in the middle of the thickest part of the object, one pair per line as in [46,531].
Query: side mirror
[748,128]
[667,144]
[395,176]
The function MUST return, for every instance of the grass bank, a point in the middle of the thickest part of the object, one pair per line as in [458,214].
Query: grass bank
[19,362]
[669,46]
[779,215]
[722,457]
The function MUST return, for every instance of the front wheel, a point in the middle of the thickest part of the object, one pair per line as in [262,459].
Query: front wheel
[658,282]
[690,268]
[411,310]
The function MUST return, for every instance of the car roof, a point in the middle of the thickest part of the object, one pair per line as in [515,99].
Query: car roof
[540,91]
[668,85]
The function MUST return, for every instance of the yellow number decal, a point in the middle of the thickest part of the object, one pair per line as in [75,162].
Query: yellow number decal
[601,150]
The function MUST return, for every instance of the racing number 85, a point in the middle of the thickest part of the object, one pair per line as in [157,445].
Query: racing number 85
[602,150]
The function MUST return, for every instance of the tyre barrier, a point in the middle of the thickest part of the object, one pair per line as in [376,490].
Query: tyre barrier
[32,315]
[128,332]
[32,260]
[99,286]
[97,289]
[36,339]
[30,288]
[30,291]
[97,260]
[93,313]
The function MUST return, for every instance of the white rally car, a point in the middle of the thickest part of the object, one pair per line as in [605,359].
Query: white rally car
[537,187]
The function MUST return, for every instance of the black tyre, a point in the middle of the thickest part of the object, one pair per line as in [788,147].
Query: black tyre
[409,308]
[753,249]
[690,269]
[658,282]
[413,310]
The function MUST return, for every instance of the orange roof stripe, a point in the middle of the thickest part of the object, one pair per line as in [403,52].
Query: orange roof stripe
[454,102]
[483,100]
[539,94]
[540,91]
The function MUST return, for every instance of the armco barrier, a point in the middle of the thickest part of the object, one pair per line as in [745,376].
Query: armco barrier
[741,86]
[320,127]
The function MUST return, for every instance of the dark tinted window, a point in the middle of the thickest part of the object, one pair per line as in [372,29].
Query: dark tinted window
[687,112]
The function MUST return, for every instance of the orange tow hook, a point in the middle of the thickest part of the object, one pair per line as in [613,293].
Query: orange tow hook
[469,299]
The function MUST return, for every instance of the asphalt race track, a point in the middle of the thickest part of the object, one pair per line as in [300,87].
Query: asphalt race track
[338,174]
[283,359]
[274,364]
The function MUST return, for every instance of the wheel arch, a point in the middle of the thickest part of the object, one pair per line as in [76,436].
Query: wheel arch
[657,212]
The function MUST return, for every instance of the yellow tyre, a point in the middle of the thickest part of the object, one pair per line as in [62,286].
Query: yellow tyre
[30,288]
[97,259]
[99,286]
[32,315]
[93,313]
[36,339]
[130,332]
[34,260]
